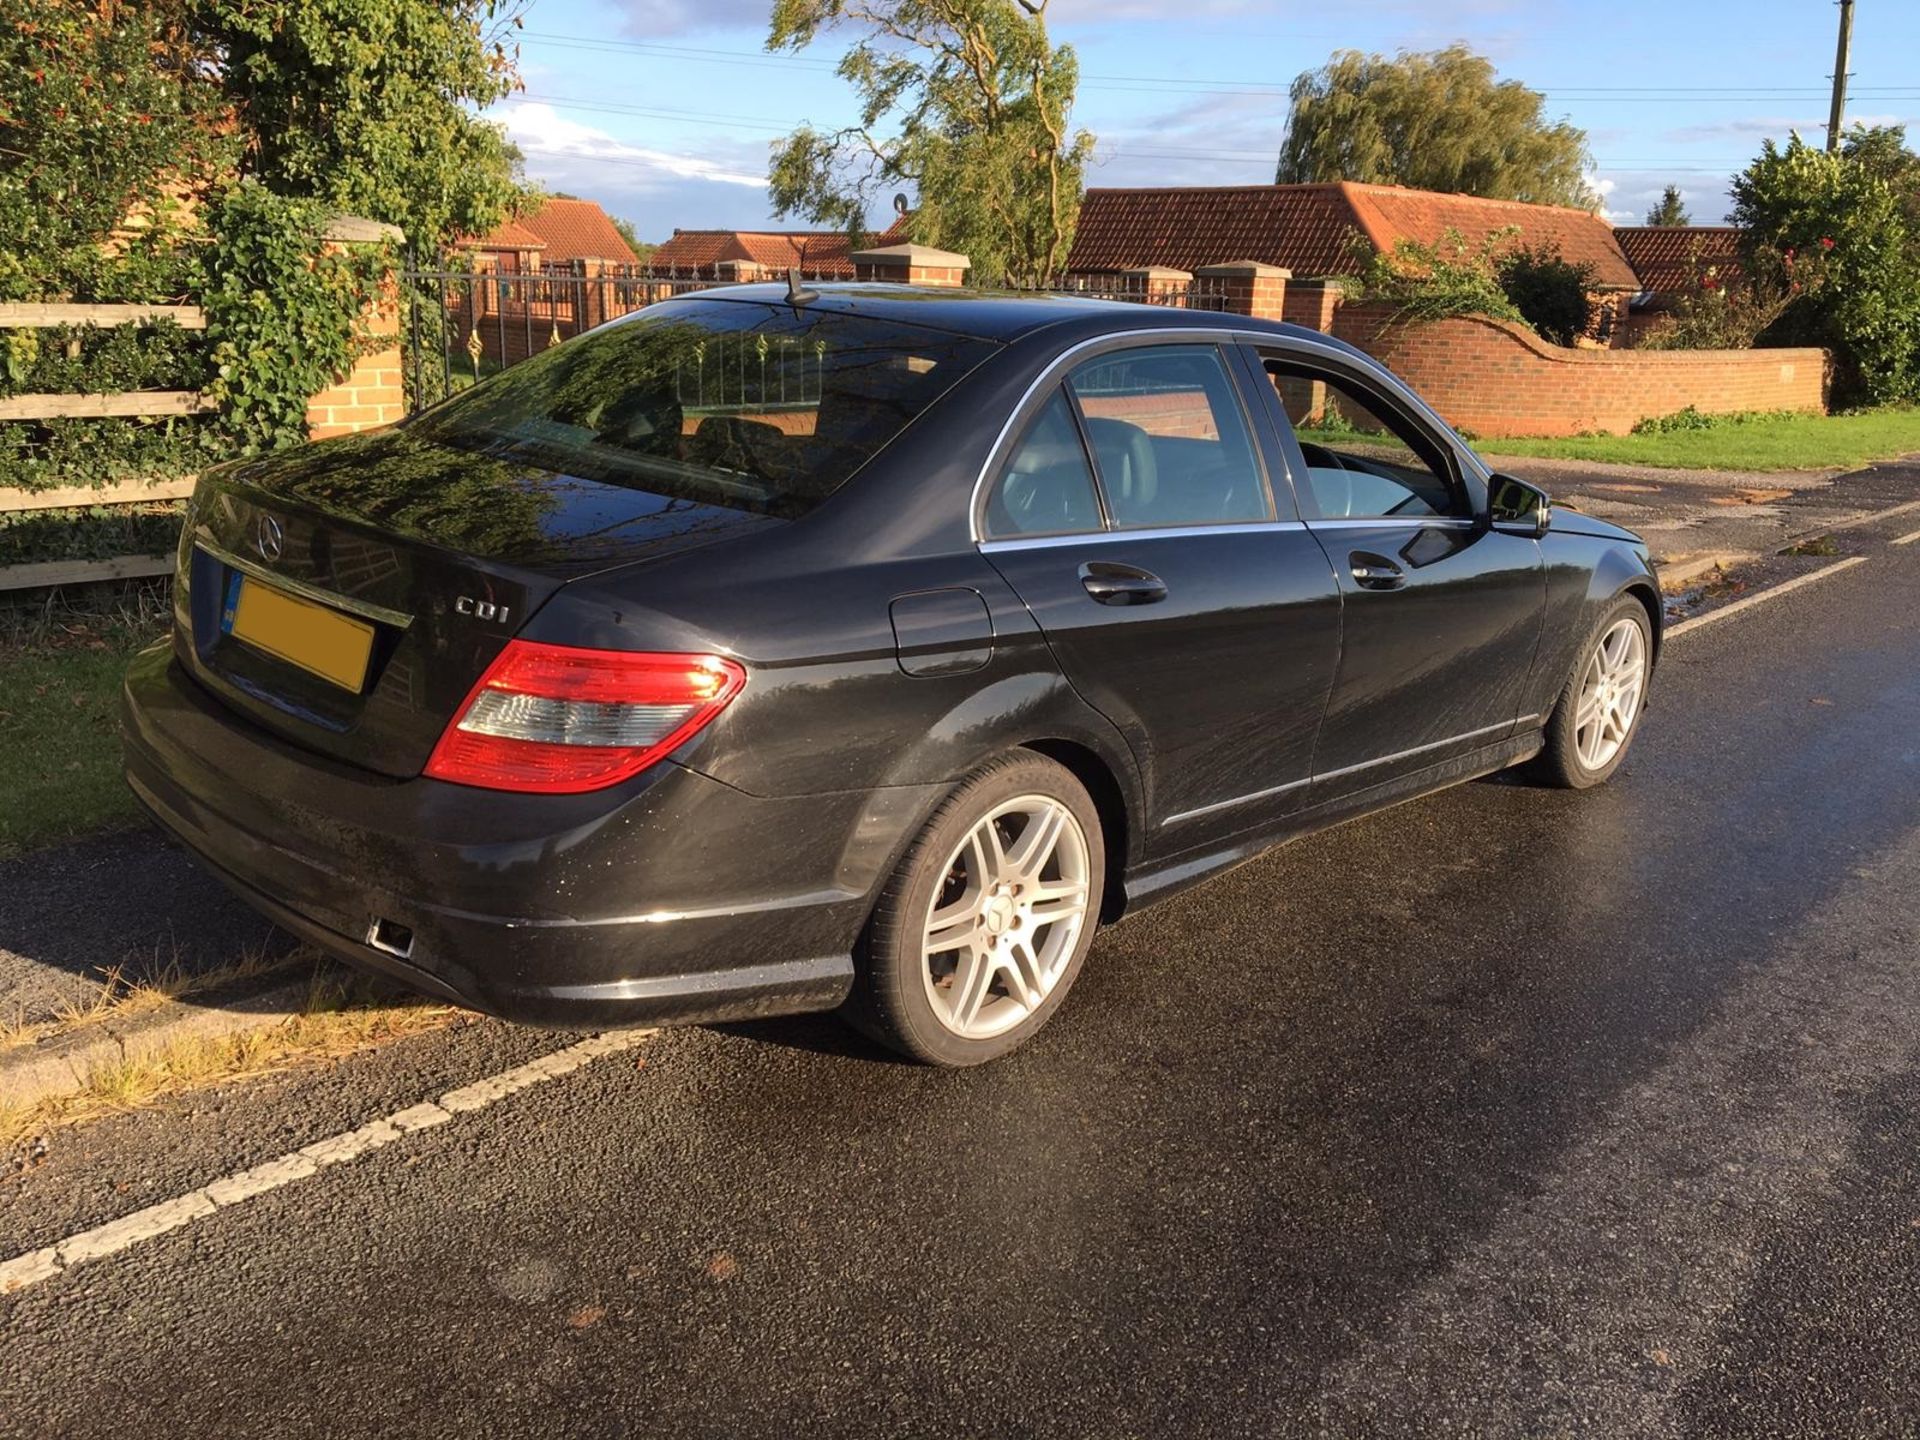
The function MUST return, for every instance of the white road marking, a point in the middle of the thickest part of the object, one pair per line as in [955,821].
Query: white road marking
[1773,593]
[1906,539]
[302,1164]
[1868,519]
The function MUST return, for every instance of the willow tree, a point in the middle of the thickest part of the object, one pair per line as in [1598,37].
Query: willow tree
[965,101]
[1432,121]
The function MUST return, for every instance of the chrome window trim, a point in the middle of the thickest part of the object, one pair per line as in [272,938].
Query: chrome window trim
[1336,774]
[365,609]
[1144,532]
[1064,361]
[1395,522]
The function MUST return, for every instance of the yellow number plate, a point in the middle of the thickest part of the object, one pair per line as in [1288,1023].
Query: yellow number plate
[331,645]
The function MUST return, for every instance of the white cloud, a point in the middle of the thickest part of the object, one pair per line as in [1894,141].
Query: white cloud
[1813,129]
[1751,127]
[1635,192]
[554,143]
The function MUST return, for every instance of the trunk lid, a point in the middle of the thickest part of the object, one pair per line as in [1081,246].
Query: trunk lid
[424,558]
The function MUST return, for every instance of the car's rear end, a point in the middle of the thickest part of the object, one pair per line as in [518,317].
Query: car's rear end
[381,719]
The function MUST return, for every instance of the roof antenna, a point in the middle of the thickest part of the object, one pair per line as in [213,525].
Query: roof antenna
[797,295]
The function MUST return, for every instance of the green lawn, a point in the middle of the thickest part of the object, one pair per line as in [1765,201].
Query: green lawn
[1761,442]
[59,737]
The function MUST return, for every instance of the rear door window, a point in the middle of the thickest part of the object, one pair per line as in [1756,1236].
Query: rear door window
[1169,438]
[1047,485]
[752,406]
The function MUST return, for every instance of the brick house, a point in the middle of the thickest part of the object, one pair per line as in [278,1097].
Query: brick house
[558,233]
[1673,259]
[820,254]
[1310,229]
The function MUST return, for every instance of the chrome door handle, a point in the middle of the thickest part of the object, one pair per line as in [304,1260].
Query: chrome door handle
[1112,584]
[1375,572]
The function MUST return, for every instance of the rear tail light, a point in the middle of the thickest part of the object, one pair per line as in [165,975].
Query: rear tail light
[559,720]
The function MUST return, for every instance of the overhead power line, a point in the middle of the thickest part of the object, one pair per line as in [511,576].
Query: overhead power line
[1174,84]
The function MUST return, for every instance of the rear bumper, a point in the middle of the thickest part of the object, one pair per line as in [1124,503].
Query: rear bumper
[671,898]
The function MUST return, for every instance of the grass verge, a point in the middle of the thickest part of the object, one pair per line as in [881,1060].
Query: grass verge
[60,669]
[130,989]
[342,1013]
[1759,442]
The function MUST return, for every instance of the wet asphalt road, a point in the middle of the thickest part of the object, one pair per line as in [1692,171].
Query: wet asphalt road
[1506,1112]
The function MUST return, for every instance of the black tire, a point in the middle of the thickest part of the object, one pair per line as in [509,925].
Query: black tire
[891,1000]
[1559,764]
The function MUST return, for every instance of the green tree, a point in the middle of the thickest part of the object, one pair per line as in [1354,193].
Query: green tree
[1432,121]
[642,249]
[967,101]
[1882,151]
[1553,294]
[106,122]
[1831,231]
[368,106]
[1671,210]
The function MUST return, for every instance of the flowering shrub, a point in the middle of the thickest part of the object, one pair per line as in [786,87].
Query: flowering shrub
[1722,311]
[1830,235]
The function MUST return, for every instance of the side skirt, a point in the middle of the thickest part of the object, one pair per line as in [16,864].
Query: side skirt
[1158,880]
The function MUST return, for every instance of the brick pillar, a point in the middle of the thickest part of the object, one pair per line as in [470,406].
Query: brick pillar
[911,265]
[371,394]
[1159,285]
[594,309]
[1311,303]
[740,272]
[1248,287]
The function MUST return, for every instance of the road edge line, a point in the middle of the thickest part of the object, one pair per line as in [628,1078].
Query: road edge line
[1772,592]
[23,1271]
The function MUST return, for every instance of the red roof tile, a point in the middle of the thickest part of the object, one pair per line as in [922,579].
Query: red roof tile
[577,230]
[817,252]
[1308,228]
[1669,258]
[511,236]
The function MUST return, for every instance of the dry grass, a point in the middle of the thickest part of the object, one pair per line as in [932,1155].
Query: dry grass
[342,1014]
[135,986]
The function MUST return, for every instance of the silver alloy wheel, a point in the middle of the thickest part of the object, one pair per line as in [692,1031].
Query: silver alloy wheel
[1610,691]
[1002,927]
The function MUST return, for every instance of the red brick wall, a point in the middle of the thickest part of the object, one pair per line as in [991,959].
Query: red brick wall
[370,395]
[1496,378]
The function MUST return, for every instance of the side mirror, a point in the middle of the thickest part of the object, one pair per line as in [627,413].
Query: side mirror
[1518,508]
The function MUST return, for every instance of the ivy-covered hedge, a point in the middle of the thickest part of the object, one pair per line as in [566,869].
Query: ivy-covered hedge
[87,360]
[96,532]
[281,308]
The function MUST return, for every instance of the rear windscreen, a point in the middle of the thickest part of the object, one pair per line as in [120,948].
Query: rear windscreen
[753,406]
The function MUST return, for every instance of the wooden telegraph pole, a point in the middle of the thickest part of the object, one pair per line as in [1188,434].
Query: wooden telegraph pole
[1837,116]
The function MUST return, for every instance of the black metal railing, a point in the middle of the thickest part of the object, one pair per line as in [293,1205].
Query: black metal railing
[1202,292]
[462,325]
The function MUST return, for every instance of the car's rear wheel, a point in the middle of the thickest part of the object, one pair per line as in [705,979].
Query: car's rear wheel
[1598,712]
[984,926]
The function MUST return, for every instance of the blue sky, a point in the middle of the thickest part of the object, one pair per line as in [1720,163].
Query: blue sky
[663,110]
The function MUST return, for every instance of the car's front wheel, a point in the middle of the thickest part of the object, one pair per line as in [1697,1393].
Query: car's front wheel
[985,924]
[1598,712]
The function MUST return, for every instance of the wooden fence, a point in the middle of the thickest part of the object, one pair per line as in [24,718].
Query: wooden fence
[130,404]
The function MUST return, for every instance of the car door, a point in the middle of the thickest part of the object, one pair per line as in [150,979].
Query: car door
[1133,515]
[1442,613]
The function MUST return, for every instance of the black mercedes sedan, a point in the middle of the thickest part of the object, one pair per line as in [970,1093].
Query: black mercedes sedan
[772,650]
